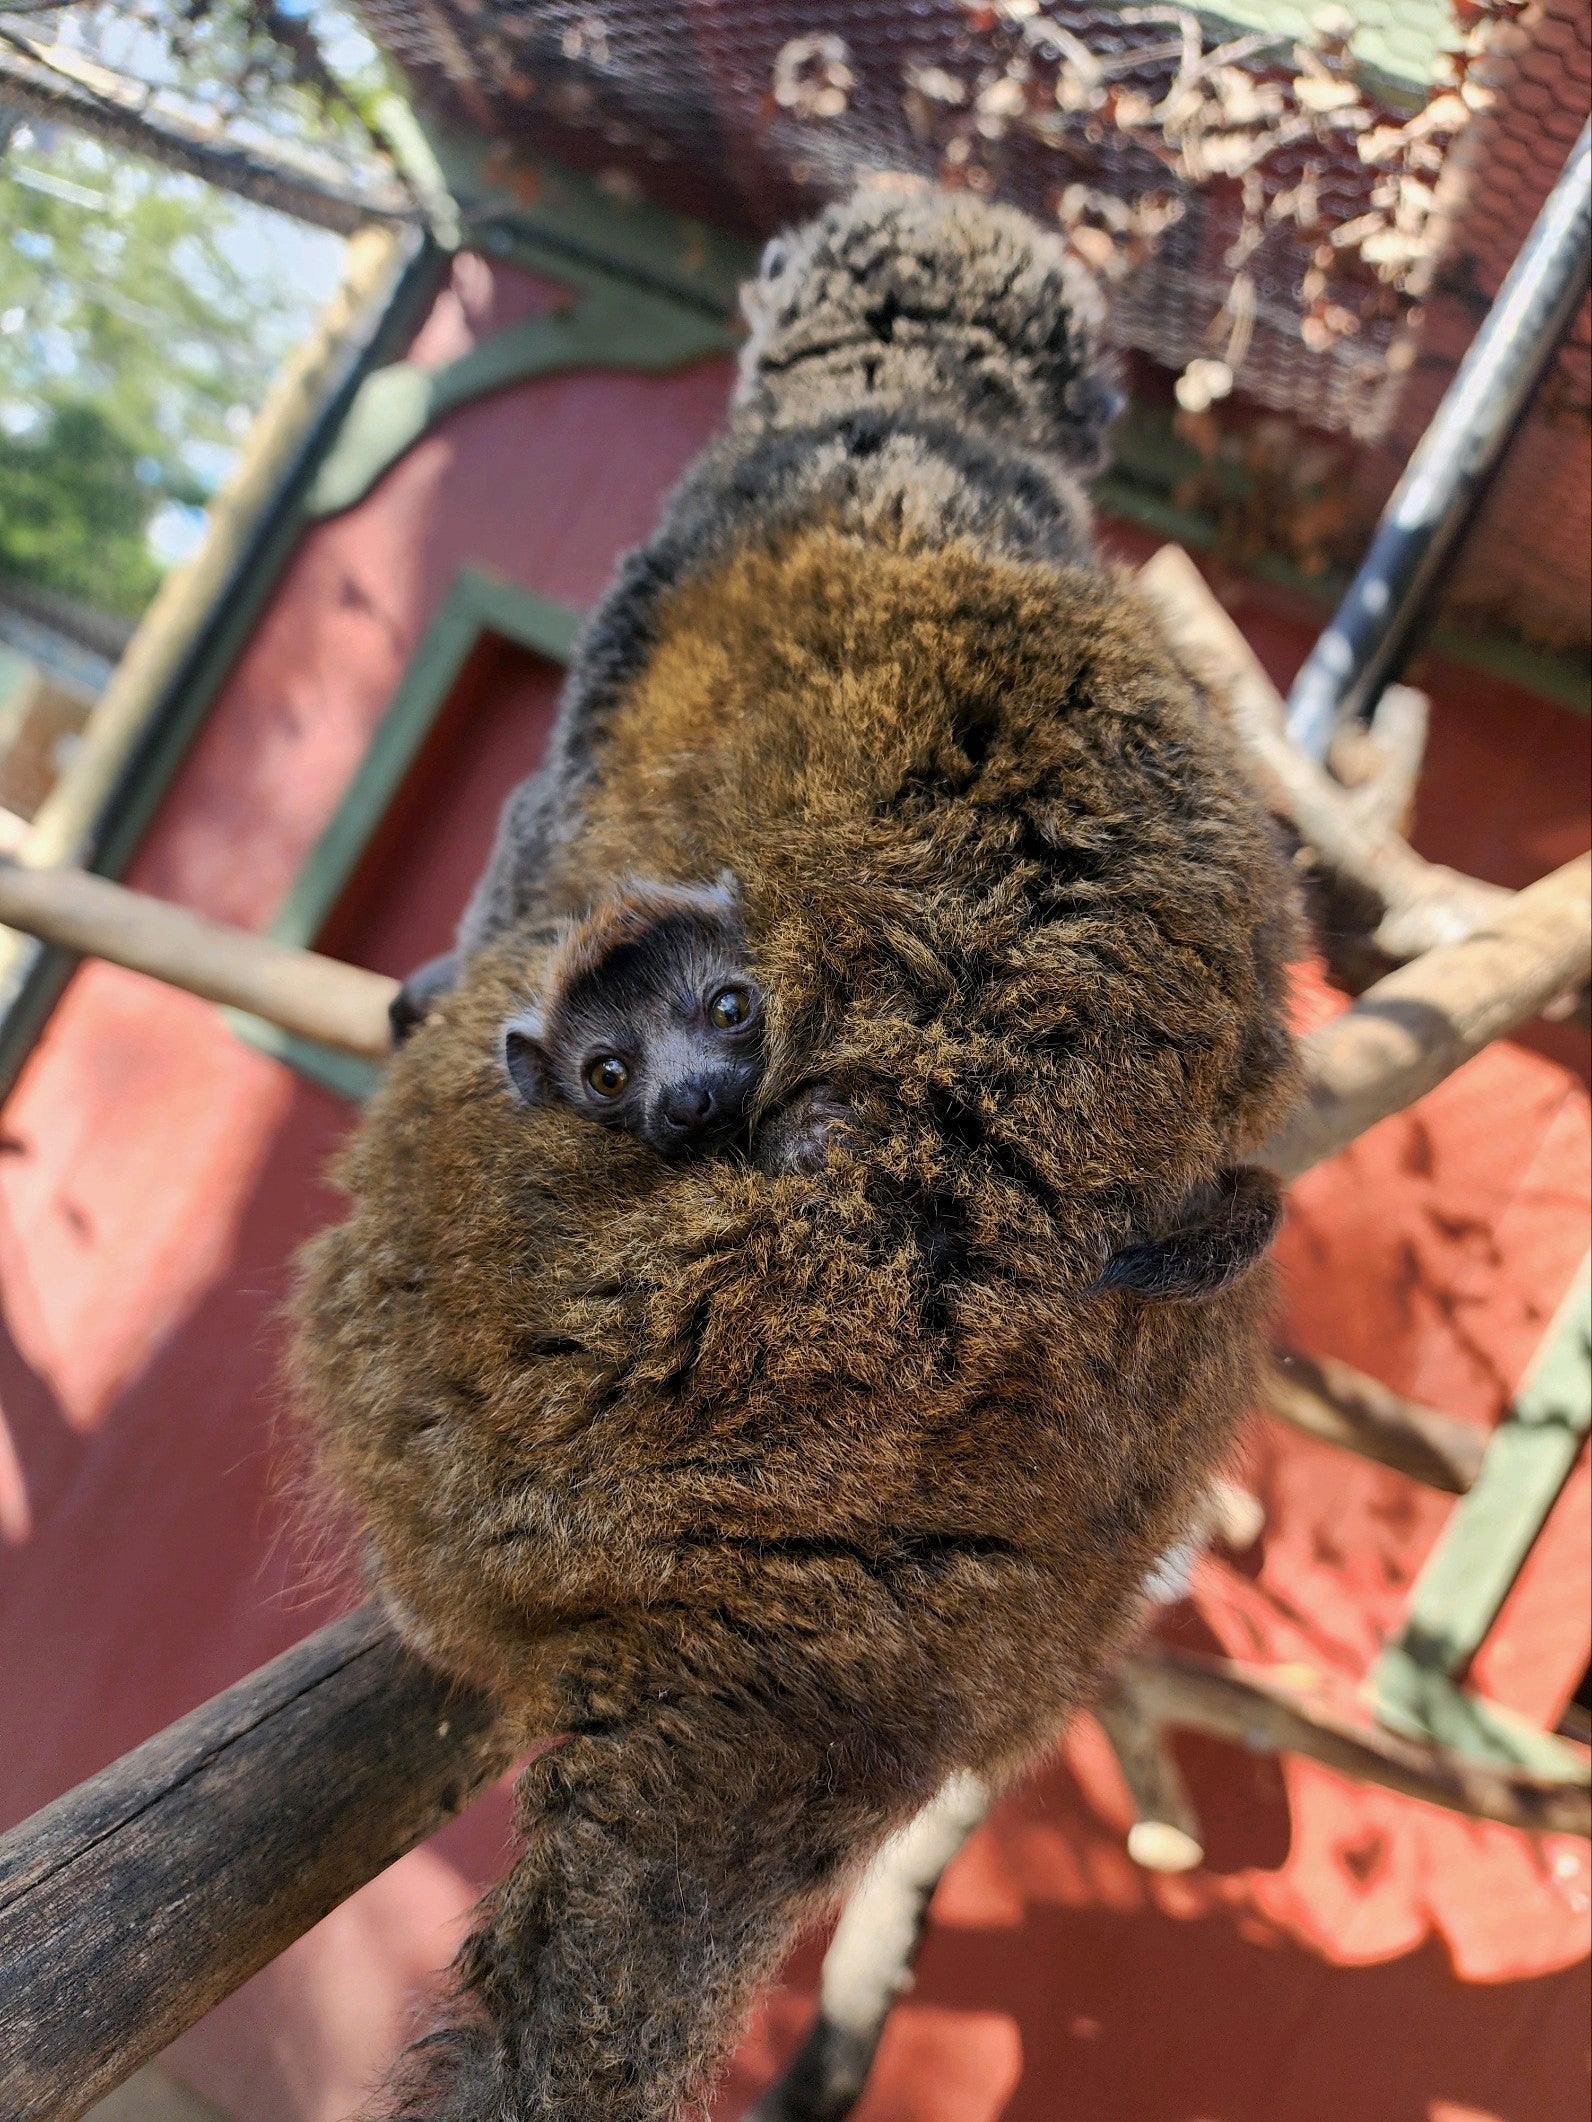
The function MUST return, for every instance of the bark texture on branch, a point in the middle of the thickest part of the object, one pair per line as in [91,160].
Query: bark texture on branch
[318,998]
[1411,1030]
[140,1899]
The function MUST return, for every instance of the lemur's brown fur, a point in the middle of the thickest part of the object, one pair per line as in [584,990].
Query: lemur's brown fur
[785,1495]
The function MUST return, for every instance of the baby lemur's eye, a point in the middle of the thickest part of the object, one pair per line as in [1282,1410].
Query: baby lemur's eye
[730,1008]
[606,1076]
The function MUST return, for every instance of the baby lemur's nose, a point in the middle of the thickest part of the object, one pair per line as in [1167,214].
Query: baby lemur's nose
[686,1106]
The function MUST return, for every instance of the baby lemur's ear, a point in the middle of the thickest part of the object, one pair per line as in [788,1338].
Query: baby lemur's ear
[525,1058]
[1229,1226]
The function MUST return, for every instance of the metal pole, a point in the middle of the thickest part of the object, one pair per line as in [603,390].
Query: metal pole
[1364,646]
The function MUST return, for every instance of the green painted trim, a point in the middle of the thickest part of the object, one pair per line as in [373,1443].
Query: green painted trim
[1565,680]
[578,218]
[612,324]
[1421,1704]
[478,604]
[1469,1574]
[348,1076]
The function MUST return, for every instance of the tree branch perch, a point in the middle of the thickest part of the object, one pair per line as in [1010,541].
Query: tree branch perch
[318,998]
[1421,904]
[1342,1406]
[137,1901]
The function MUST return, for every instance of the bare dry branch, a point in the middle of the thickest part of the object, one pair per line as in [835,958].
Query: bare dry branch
[143,1897]
[1381,764]
[1231,1702]
[1409,1031]
[1422,904]
[869,1962]
[318,998]
[1342,1406]
[1165,1835]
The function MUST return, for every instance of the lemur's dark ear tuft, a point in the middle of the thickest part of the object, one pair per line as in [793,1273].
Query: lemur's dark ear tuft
[525,1059]
[1229,1227]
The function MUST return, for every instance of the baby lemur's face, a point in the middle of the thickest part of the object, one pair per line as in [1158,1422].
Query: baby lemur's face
[651,1022]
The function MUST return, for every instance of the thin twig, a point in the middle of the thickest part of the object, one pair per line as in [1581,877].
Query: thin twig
[1342,1406]
[1233,1702]
[869,1962]
[1165,1835]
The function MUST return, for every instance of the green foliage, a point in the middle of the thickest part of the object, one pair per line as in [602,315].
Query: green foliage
[142,314]
[75,511]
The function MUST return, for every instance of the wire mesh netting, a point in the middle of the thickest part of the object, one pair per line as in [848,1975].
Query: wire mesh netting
[1273,191]
[1255,183]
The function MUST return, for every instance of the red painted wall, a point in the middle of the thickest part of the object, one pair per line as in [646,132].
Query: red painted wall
[1344,1957]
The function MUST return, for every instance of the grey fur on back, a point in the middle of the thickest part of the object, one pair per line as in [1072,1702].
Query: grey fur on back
[923,365]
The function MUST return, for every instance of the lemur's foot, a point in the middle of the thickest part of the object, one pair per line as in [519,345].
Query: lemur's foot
[420,993]
[799,1137]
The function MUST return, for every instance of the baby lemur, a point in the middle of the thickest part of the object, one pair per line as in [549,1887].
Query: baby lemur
[785,1477]
[650,1020]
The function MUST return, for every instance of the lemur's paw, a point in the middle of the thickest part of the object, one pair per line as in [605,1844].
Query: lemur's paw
[799,1137]
[420,993]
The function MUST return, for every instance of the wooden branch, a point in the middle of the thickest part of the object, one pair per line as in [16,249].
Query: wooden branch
[142,1898]
[1231,1702]
[340,1005]
[1398,1041]
[869,1961]
[1422,904]
[135,1903]
[1411,1030]
[1341,1405]
[62,87]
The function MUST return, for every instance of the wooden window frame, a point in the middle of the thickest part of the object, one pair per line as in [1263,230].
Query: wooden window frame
[479,607]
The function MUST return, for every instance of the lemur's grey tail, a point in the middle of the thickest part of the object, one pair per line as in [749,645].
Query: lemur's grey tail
[936,301]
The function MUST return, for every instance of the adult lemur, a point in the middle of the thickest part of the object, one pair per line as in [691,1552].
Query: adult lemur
[789,1475]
